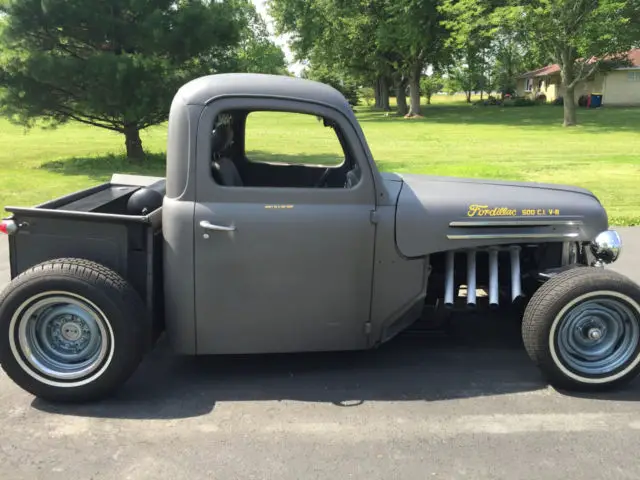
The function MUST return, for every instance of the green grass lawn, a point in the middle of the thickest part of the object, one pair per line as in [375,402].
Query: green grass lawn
[518,143]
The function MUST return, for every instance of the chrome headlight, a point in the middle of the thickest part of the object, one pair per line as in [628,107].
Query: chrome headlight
[606,247]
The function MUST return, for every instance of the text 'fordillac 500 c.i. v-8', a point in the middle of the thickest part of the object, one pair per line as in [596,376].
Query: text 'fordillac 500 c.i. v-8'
[229,254]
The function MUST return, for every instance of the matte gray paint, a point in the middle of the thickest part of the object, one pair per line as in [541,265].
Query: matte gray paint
[125,243]
[279,93]
[180,146]
[178,278]
[204,90]
[338,269]
[178,228]
[399,284]
[288,279]
[428,204]
[46,238]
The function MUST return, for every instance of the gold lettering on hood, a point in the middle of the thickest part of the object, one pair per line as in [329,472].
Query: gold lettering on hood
[486,211]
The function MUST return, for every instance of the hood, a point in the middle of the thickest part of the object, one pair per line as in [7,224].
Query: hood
[442,213]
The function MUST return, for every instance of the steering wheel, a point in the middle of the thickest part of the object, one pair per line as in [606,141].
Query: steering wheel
[323,178]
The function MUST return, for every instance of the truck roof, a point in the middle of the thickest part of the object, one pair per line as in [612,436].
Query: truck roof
[205,89]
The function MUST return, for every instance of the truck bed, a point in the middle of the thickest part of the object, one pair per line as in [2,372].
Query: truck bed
[93,224]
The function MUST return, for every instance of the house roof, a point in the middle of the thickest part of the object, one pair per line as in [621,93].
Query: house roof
[542,72]
[632,55]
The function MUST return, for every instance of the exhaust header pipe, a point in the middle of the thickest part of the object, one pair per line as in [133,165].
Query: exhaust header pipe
[493,278]
[471,282]
[449,284]
[471,278]
[516,281]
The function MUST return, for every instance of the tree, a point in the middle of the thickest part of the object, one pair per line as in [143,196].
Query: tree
[431,85]
[400,86]
[462,78]
[471,36]
[581,36]
[338,80]
[114,65]
[257,53]
[338,35]
[413,31]
[508,63]
[367,94]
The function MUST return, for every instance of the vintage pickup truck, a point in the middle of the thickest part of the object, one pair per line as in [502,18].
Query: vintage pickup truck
[232,256]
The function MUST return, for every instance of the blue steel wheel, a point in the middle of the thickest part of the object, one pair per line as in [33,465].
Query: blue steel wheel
[63,338]
[72,330]
[582,328]
[597,335]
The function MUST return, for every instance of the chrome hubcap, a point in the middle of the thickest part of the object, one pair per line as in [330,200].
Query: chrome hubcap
[62,337]
[598,336]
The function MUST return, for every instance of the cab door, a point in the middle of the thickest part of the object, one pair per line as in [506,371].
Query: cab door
[287,268]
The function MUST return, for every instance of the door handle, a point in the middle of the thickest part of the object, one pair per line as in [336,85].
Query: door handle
[218,228]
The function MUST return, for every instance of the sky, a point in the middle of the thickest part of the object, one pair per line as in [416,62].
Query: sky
[279,40]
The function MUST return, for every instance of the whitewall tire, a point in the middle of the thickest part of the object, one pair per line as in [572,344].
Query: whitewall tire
[71,330]
[582,328]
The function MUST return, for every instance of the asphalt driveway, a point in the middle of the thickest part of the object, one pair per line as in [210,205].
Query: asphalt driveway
[468,406]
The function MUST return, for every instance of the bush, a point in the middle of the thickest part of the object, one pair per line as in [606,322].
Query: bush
[523,102]
[349,90]
[491,100]
[519,102]
[559,101]
[367,95]
[432,85]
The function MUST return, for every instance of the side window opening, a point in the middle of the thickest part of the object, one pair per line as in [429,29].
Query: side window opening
[280,149]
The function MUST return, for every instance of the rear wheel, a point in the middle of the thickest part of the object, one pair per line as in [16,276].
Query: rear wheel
[582,328]
[71,330]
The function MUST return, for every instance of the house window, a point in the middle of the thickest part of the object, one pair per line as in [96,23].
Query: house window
[633,76]
[528,84]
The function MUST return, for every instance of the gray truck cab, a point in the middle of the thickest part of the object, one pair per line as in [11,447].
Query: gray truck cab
[234,254]
[277,257]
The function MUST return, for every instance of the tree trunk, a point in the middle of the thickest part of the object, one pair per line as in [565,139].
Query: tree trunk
[384,94]
[481,94]
[377,93]
[414,94]
[428,98]
[133,143]
[569,107]
[401,97]
[569,100]
[468,96]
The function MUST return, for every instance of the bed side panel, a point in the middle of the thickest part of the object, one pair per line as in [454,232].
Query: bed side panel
[40,239]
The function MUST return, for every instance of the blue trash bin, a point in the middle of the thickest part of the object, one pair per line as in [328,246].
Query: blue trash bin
[595,100]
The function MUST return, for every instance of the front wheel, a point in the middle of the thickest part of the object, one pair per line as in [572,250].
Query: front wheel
[582,328]
[71,330]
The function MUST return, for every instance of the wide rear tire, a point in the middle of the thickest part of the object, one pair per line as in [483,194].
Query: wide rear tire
[71,330]
[582,329]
